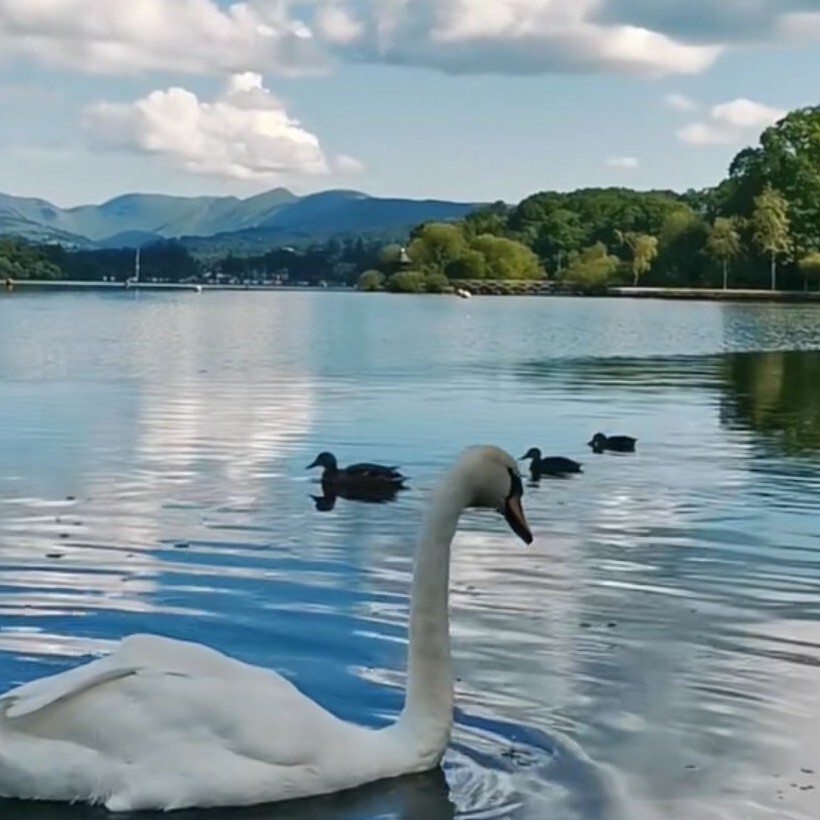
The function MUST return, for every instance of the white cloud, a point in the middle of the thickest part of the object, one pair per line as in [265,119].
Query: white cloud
[626,163]
[189,36]
[348,165]
[730,123]
[202,36]
[457,36]
[680,102]
[336,25]
[246,134]
[800,26]
[516,36]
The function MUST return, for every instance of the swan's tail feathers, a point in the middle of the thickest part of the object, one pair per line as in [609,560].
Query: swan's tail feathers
[53,770]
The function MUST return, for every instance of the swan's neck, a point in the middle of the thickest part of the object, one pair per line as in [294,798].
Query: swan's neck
[428,707]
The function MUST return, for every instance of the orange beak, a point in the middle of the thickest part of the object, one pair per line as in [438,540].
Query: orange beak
[514,515]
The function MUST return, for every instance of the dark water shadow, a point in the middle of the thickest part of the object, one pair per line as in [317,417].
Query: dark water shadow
[639,374]
[415,797]
[327,500]
[536,477]
[775,394]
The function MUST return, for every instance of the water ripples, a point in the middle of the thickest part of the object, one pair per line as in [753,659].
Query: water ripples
[664,622]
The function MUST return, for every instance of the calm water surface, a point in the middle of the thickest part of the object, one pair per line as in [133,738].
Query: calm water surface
[665,624]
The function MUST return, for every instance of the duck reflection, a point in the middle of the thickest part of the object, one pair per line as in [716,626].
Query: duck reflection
[371,495]
[405,798]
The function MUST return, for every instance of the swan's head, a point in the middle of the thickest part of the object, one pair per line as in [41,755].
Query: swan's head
[491,479]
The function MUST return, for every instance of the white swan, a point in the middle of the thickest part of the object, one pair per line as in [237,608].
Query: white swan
[165,724]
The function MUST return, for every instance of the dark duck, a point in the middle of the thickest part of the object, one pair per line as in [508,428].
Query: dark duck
[549,465]
[617,444]
[361,479]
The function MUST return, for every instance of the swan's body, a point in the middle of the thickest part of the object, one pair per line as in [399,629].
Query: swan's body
[166,724]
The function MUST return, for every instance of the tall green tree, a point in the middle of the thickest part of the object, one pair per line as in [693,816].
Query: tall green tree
[810,268]
[436,246]
[506,258]
[389,256]
[492,219]
[723,244]
[644,249]
[681,239]
[472,264]
[22,260]
[770,227]
[591,269]
[557,236]
[787,159]
[371,280]
[526,218]
[406,281]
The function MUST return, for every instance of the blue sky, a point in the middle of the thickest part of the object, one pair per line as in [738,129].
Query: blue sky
[457,99]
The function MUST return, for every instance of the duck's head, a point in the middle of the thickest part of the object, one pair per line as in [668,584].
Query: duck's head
[598,440]
[490,479]
[533,453]
[324,459]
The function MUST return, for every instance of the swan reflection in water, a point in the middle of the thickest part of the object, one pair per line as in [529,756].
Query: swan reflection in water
[411,797]
[382,495]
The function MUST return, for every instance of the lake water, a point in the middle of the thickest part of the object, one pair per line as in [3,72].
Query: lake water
[655,653]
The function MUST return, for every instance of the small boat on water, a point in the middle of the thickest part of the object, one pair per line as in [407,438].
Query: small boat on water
[134,280]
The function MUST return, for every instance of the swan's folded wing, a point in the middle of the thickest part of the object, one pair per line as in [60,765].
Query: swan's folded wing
[133,655]
[37,694]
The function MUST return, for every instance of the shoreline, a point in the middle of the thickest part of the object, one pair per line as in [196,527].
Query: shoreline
[486,288]
[78,284]
[715,294]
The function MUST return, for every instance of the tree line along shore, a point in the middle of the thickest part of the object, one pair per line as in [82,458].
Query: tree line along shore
[758,228]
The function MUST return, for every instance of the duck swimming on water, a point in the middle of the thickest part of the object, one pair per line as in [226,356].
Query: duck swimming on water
[363,476]
[619,444]
[549,465]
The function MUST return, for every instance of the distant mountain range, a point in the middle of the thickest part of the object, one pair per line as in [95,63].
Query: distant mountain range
[210,223]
